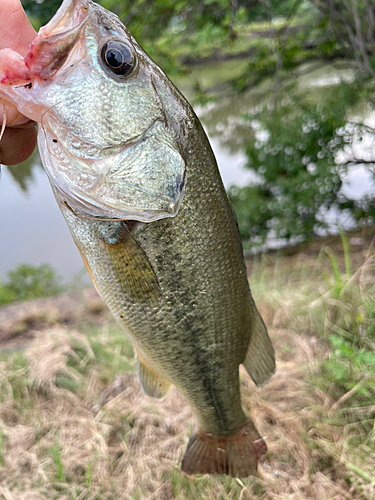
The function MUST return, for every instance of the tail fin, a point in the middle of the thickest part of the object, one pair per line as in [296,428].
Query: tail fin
[236,455]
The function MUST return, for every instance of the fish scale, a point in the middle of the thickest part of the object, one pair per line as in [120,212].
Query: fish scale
[138,185]
[206,322]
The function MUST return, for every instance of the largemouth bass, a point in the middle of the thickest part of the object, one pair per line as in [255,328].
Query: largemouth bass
[137,182]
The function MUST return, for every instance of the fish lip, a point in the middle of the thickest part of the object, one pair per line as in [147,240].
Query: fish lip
[71,13]
[54,42]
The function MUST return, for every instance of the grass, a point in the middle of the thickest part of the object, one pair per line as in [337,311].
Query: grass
[74,423]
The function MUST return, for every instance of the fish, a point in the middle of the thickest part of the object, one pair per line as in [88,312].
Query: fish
[136,180]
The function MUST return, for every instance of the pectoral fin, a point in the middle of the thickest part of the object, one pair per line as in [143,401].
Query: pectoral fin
[88,269]
[260,356]
[131,265]
[152,383]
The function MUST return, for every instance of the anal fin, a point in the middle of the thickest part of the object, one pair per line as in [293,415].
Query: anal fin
[152,383]
[260,356]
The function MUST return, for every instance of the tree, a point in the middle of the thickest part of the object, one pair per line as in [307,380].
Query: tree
[297,163]
[351,23]
[30,282]
[300,178]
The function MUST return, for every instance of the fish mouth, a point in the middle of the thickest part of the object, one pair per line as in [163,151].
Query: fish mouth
[54,42]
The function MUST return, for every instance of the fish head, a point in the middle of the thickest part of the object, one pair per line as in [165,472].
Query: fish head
[112,127]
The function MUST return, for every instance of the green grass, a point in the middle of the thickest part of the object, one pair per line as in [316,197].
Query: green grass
[74,423]
[55,452]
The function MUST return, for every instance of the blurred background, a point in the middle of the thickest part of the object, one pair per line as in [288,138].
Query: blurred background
[286,93]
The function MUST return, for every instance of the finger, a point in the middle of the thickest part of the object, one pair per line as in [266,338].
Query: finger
[17,144]
[13,116]
[16,31]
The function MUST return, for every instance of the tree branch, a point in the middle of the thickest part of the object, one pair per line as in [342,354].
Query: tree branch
[353,162]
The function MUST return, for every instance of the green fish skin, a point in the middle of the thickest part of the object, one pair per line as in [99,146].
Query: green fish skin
[187,309]
[138,185]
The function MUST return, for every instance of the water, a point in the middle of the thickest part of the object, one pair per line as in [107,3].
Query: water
[33,230]
[31,225]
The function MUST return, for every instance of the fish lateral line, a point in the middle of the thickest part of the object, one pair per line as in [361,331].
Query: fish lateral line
[174,289]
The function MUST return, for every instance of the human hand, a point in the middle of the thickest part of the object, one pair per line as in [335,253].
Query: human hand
[16,32]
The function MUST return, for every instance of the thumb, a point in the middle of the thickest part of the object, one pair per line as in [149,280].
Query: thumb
[16,31]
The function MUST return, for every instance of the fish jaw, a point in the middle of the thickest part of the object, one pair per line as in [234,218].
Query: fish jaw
[70,15]
[54,42]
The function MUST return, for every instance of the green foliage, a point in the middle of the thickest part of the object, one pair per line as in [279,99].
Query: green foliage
[166,28]
[351,26]
[40,12]
[29,282]
[299,179]
[293,151]
[348,365]
[348,322]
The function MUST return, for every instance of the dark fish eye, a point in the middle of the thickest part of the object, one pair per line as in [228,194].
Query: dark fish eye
[117,58]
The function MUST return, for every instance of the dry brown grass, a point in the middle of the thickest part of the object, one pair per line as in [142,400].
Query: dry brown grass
[75,425]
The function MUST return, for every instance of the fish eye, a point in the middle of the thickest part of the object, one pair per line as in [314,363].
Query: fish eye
[118,58]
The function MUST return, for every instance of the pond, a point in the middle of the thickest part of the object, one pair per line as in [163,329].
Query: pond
[32,228]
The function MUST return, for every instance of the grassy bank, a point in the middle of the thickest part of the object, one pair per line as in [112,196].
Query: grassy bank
[75,425]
